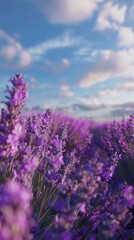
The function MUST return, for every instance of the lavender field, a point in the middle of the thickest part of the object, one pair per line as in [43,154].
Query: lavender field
[64,178]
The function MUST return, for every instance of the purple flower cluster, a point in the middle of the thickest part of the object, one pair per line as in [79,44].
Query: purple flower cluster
[15,212]
[64,178]
[119,138]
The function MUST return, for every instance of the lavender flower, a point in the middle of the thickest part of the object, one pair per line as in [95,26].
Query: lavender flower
[11,127]
[71,172]
[16,215]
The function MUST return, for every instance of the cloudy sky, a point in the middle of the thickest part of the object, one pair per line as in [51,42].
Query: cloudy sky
[76,55]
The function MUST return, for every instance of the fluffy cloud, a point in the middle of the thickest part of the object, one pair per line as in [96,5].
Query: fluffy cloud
[111,92]
[65,91]
[99,113]
[88,103]
[65,62]
[89,107]
[131,13]
[68,11]
[94,107]
[25,59]
[67,39]
[12,49]
[82,51]
[110,16]
[6,37]
[64,87]
[127,86]
[8,52]
[110,64]
[67,94]
[125,37]
[116,97]
[85,53]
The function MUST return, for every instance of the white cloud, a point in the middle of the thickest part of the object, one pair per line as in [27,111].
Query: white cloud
[67,94]
[6,37]
[65,91]
[110,92]
[117,96]
[126,87]
[64,87]
[12,49]
[8,52]
[110,16]
[109,65]
[131,13]
[125,37]
[67,39]
[103,112]
[84,51]
[65,62]
[25,59]
[92,102]
[68,11]
[11,41]
[46,106]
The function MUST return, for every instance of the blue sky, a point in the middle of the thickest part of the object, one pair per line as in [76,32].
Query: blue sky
[76,55]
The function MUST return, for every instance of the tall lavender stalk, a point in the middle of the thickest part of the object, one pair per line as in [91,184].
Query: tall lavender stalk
[10,130]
